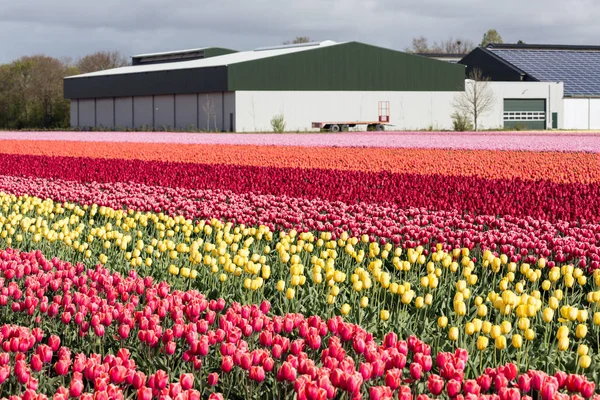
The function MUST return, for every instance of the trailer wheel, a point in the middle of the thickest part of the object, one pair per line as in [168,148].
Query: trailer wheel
[335,128]
[379,128]
[370,128]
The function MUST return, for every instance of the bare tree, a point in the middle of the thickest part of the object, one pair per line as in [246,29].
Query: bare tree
[209,110]
[455,46]
[450,46]
[419,45]
[477,99]
[100,61]
[298,40]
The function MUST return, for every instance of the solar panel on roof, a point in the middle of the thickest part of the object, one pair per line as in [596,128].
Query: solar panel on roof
[578,69]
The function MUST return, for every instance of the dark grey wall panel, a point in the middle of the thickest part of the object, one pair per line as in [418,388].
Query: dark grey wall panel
[87,113]
[186,111]
[164,112]
[142,112]
[105,116]
[74,114]
[123,112]
[199,80]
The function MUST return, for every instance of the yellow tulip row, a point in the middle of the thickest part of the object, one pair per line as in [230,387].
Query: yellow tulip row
[472,301]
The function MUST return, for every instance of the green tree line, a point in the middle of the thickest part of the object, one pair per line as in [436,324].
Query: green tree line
[31,88]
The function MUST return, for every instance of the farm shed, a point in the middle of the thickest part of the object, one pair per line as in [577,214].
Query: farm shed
[575,66]
[222,90]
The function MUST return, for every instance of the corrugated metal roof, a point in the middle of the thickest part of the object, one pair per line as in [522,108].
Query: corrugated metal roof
[228,59]
[162,53]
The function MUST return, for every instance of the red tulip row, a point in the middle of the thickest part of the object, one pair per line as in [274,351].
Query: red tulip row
[539,199]
[519,238]
[240,350]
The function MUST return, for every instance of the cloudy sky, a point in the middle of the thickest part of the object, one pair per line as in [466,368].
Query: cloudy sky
[72,28]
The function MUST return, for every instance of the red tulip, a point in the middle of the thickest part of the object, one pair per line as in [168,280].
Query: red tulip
[186,381]
[213,379]
[524,383]
[453,388]
[144,393]
[215,396]
[393,378]
[36,363]
[587,389]
[54,342]
[416,371]
[380,393]
[435,384]
[257,374]
[76,388]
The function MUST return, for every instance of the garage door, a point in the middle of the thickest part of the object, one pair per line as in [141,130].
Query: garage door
[525,113]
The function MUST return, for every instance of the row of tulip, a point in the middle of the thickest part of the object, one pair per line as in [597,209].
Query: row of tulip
[479,300]
[536,199]
[519,238]
[553,166]
[101,335]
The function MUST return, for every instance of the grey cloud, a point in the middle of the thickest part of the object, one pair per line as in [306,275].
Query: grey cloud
[74,28]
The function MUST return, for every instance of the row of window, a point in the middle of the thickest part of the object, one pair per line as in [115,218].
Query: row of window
[524,115]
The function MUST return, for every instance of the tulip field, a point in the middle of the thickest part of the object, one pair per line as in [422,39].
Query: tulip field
[354,266]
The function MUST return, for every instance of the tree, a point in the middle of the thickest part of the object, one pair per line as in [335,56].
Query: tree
[477,99]
[450,46]
[491,36]
[31,93]
[520,42]
[100,61]
[455,46]
[419,45]
[298,40]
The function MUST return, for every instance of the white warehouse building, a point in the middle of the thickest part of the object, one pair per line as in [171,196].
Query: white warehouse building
[216,89]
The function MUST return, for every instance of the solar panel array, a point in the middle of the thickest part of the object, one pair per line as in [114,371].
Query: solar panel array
[578,69]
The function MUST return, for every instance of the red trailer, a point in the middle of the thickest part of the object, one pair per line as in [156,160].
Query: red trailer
[344,126]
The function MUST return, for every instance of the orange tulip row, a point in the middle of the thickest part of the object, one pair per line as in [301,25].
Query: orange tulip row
[558,167]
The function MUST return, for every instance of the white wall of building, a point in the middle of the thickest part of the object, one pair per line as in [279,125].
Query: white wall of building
[408,110]
[552,92]
[582,113]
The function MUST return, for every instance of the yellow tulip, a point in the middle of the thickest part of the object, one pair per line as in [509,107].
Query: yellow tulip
[563,343]
[486,327]
[442,322]
[470,328]
[384,315]
[419,302]
[453,334]
[345,309]
[482,343]
[548,314]
[581,331]
[280,286]
[582,350]
[290,293]
[364,302]
[517,341]
[597,318]
[506,327]
[173,270]
[585,361]
[500,342]
[529,334]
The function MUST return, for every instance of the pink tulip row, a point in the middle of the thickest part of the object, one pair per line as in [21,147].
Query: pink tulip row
[542,141]
[209,346]
[536,199]
[520,238]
